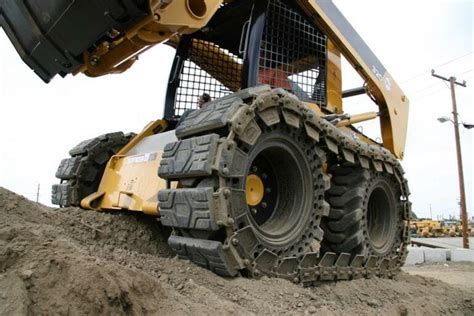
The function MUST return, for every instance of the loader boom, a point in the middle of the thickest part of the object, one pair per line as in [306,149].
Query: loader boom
[99,38]
[388,95]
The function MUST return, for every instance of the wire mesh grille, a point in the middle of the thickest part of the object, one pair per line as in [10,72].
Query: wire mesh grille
[293,54]
[209,69]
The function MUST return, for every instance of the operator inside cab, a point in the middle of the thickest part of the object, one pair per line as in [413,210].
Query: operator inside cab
[203,99]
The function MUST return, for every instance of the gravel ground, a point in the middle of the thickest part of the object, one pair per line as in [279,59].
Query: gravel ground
[457,274]
[72,262]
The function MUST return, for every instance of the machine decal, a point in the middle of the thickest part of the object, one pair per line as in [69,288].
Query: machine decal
[385,80]
[141,158]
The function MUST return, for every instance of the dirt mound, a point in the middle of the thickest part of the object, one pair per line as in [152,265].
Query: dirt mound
[71,261]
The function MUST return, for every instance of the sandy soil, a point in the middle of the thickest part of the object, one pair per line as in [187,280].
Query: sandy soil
[70,262]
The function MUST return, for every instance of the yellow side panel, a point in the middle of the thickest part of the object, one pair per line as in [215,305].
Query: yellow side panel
[132,183]
[130,180]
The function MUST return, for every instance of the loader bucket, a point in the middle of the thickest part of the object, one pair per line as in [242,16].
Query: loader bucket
[51,36]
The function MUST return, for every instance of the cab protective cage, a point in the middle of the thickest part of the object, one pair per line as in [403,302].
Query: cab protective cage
[249,43]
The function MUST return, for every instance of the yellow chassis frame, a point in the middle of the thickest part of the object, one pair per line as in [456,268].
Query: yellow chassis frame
[131,182]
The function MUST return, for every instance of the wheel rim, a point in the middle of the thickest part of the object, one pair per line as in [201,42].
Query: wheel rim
[254,191]
[381,218]
[284,207]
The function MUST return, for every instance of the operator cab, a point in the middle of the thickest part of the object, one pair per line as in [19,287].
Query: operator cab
[249,43]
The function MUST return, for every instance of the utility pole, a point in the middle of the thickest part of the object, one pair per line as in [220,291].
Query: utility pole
[38,194]
[453,83]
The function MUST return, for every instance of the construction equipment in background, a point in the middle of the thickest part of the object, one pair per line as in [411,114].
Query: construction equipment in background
[437,228]
[270,177]
[455,230]
[428,228]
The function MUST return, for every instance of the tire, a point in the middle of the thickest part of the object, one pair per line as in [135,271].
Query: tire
[366,216]
[81,174]
[286,218]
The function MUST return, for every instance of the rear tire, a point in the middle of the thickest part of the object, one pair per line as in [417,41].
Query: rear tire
[80,175]
[366,216]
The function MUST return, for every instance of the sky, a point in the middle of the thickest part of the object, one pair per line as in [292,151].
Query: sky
[40,122]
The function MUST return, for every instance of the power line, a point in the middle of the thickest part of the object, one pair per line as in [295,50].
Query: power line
[441,65]
[429,94]
[466,72]
[425,88]
[453,60]
[414,93]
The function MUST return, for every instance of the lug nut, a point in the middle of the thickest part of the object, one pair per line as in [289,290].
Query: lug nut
[264,205]
[235,241]
[264,176]
[254,169]
[268,190]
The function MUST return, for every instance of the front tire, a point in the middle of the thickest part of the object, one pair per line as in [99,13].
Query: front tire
[285,217]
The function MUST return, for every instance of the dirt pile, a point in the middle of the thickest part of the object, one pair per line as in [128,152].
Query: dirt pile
[71,261]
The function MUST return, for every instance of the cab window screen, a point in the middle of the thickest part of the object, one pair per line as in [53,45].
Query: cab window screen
[209,69]
[293,54]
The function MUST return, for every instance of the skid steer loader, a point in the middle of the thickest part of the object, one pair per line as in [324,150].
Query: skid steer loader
[269,177]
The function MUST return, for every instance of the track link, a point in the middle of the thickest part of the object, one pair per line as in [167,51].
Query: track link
[242,119]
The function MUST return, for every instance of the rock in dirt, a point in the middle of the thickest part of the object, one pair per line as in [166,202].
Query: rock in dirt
[73,261]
